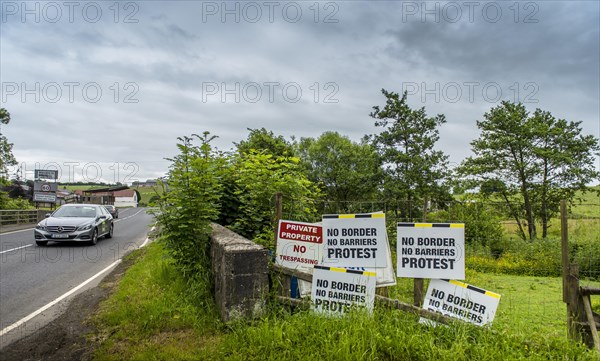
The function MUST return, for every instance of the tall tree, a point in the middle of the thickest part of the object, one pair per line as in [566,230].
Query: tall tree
[346,171]
[258,141]
[6,157]
[267,141]
[413,170]
[531,161]
[257,177]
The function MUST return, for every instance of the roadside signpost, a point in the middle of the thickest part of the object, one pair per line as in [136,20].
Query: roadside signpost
[45,174]
[43,190]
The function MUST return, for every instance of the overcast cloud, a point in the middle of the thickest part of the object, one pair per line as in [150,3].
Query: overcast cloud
[169,69]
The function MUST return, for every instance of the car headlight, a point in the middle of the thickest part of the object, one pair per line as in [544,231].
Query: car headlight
[41,227]
[84,227]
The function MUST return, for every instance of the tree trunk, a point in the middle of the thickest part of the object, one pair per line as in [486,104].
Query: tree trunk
[515,214]
[530,220]
[528,210]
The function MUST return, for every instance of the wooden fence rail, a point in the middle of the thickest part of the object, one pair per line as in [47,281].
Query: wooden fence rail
[9,217]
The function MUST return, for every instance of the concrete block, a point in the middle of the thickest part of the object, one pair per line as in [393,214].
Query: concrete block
[240,269]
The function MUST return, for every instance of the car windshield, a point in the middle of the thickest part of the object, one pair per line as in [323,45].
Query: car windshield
[88,212]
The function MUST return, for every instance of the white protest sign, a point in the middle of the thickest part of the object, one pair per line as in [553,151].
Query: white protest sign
[462,301]
[336,290]
[431,250]
[289,258]
[384,277]
[299,245]
[355,240]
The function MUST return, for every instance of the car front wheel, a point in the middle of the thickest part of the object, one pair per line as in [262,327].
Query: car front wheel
[110,232]
[41,243]
[94,239]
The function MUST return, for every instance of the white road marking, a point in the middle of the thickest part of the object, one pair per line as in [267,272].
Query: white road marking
[22,230]
[133,215]
[47,306]
[64,296]
[30,229]
[147,239]
[14,249]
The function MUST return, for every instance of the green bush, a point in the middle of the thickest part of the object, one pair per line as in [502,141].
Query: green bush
[539,258]
[190,205]
[257,177]
[13,203]
[482,223]
[586,253]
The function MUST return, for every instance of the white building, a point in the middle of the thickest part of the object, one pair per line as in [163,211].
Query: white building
[126,198]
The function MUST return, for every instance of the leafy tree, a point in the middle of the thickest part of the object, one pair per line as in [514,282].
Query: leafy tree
[531,161]
[6,157]
[267,141]
[190,204]
[258,140]
[17,189]
[482,221]
[13,203]
[413,170]
[346,171]
[258,176]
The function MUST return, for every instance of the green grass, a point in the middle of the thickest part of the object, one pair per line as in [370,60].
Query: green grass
[589,206]
[155,315]
[77,187]
[148,192]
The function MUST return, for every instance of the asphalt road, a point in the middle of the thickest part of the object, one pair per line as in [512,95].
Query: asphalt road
[32,276]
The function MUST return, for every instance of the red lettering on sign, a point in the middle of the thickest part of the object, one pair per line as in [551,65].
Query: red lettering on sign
[301,232]
[300,249]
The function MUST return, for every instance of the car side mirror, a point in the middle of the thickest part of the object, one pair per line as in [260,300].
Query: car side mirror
[47,215]
[102,217]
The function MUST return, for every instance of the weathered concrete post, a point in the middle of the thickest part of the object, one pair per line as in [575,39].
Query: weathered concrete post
[241,274]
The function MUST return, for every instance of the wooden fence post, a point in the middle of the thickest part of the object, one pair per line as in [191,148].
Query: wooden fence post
[570,274]
[573,300]
[419,283]
[564,235]
[278,212]
[283,282]
[571,291]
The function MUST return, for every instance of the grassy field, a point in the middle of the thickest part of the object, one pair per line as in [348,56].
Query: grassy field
[148,192]
[154,314]
[589,206]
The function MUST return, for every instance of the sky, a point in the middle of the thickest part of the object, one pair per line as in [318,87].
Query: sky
[102,90]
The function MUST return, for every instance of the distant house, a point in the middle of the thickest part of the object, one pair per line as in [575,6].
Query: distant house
[64,196]
[126,198]
[147,183]
[99,195]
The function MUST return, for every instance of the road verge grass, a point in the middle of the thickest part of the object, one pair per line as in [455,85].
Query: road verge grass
[155,314]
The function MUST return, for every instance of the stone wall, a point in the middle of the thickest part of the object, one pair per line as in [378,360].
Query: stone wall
[241,274]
